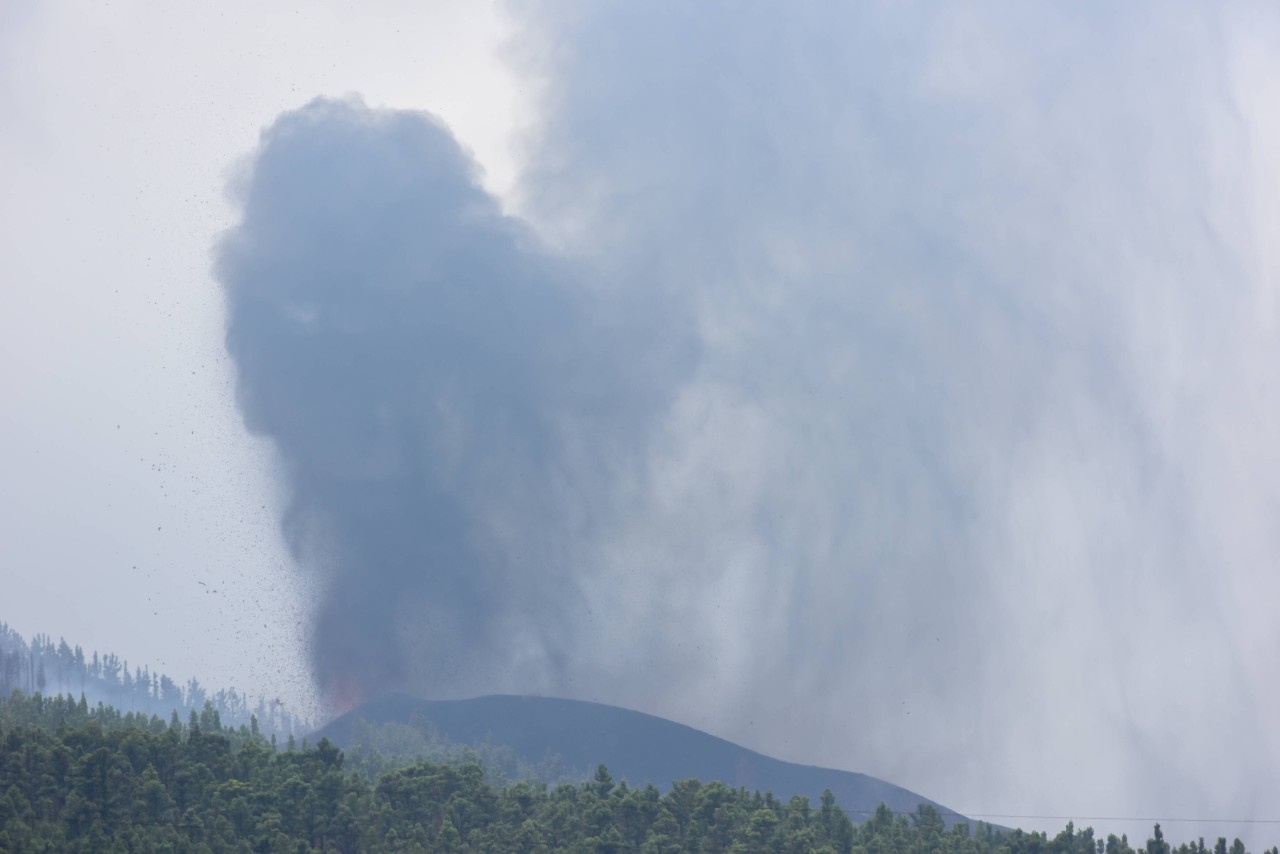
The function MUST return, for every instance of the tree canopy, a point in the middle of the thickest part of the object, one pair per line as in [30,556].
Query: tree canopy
[76,778]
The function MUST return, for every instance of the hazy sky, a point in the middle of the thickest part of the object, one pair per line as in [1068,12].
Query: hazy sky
[130,473]
[892,388]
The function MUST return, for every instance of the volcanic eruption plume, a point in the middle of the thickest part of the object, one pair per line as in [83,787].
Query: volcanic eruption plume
[900,393]
[423,370]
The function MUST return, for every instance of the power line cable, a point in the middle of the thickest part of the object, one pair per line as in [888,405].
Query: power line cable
[950,814]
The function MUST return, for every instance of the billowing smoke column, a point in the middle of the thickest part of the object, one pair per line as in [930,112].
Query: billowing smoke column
[420,367]
[969,476]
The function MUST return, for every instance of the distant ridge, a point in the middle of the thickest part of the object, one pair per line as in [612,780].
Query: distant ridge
[637,747]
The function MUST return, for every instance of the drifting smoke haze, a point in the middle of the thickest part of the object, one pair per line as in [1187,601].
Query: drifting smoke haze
[891,387]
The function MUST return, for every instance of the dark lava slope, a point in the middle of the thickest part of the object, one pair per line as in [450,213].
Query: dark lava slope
[636,747]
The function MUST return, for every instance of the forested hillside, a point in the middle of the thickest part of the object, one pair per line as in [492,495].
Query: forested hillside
[96,780]
[49,668]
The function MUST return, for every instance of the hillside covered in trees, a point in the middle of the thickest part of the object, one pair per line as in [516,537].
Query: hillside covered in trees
[75,778]
[49,668]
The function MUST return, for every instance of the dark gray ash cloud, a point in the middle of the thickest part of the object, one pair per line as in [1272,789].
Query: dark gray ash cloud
[906,405]
[423,369]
